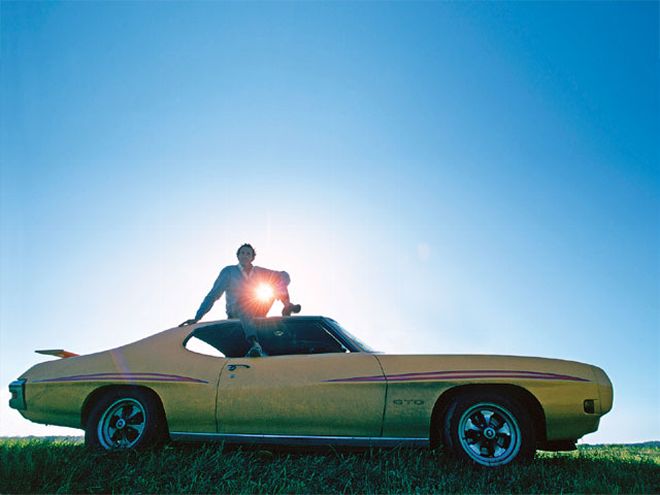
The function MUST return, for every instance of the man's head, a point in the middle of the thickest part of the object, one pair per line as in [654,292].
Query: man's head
[246,255]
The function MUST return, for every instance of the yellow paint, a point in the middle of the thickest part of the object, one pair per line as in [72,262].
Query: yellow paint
[294,395]
[291,395]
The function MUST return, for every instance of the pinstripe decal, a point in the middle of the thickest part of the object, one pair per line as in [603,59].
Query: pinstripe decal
[460,375]
[135,377]
[402,377]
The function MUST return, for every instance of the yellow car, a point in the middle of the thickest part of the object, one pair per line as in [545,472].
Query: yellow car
[317,385]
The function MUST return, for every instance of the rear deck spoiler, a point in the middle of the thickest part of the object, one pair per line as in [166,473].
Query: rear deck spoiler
[60,353]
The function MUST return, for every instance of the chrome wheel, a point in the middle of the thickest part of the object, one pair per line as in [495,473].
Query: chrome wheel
[489,434]
[122,424]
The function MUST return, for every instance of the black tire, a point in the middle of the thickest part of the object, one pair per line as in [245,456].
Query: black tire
[488,429]
[124,419]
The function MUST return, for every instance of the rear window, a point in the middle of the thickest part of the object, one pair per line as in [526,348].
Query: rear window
[225,340]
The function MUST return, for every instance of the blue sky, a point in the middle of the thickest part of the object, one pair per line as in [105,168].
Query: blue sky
[438,177]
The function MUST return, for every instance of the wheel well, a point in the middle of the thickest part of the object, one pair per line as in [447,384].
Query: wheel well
[522,395]
[101,391]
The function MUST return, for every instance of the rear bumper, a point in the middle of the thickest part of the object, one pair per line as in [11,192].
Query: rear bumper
[17,390]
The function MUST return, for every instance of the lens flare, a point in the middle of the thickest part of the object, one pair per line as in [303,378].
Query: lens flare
[264,292]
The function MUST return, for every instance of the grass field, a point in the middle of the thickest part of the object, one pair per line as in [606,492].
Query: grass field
[65,466]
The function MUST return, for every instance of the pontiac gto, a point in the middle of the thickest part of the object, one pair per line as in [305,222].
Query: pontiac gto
[318,385]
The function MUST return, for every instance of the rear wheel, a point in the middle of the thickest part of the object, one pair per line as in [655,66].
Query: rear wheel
[123,420]
[489,429]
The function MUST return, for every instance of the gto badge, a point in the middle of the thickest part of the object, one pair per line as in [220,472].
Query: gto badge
[408,402]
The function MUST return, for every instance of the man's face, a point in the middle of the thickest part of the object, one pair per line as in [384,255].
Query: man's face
[245,256]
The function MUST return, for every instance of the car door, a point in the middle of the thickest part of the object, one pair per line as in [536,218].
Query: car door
[307,388]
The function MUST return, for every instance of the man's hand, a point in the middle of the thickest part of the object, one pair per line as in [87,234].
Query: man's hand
[191,321]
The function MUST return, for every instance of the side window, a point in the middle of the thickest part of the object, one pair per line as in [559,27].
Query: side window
[225,340]
[297,337]
[195,344]
[312,338]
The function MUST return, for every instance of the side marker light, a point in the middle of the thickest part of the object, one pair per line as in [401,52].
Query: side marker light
[589,406]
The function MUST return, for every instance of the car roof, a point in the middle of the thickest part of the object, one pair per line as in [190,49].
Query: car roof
[271,318]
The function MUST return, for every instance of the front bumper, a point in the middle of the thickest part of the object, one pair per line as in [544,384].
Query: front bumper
[17,390]
[605,390]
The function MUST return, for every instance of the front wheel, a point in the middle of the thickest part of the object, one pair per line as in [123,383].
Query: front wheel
[124,419]
[489,429]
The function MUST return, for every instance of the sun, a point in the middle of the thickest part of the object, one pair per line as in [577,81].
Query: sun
[264,292]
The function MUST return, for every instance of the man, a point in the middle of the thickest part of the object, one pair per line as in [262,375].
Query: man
[242,283]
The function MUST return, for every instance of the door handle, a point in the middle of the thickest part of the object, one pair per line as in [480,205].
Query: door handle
[232,367]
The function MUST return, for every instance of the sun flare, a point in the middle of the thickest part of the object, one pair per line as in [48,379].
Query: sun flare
[264,292]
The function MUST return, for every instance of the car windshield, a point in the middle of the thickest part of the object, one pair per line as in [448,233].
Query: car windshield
[349,336]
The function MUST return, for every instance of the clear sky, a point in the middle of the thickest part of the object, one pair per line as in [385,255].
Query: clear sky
[438,177]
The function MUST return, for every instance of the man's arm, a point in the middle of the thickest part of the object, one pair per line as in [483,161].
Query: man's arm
[219,287]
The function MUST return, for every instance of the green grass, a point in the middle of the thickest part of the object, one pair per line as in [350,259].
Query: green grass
[65,466]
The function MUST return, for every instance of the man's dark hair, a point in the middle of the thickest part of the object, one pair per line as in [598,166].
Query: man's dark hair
[254,252]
